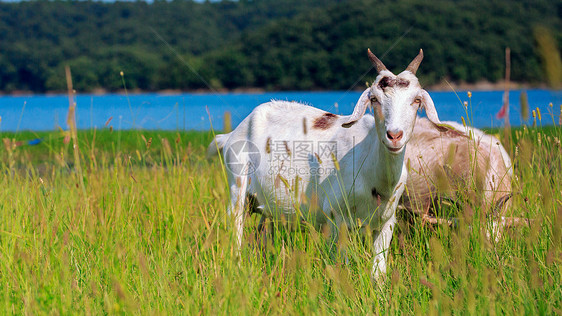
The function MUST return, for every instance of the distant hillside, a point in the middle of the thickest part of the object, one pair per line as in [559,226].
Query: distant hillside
[281,44]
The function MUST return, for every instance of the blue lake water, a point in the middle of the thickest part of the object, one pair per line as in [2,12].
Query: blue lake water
[189,111]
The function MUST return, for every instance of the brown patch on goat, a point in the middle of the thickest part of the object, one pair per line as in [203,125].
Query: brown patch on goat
[325,121]
[449,130]
[402,83]
[304,129]
[268,145]
[386,82]
[287,147]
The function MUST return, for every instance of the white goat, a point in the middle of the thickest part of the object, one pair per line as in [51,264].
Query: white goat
[306,164]
[444,162]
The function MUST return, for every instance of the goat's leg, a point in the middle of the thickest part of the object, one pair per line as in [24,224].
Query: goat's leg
[261,223]
[336,250]
[261,234]
[237,199]
[381,245]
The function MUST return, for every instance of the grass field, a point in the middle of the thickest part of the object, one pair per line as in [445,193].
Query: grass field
[136,223]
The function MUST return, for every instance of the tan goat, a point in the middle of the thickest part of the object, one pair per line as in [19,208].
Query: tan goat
[454,164]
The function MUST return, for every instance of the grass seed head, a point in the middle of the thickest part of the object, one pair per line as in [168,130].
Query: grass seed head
[539,114]
[336,163]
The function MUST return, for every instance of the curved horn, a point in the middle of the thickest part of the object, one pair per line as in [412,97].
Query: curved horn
[413,66]
[376,62]
[360,109]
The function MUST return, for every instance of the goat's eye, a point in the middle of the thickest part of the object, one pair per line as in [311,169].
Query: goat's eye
[374,99]
[417,101]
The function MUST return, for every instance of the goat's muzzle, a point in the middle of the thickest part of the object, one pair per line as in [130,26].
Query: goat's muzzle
[394,136]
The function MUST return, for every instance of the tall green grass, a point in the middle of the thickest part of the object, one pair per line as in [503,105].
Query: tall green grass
[149,234]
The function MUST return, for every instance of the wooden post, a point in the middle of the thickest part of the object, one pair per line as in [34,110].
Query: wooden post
[507,78]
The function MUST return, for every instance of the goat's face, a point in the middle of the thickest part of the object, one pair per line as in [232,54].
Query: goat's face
[395,100]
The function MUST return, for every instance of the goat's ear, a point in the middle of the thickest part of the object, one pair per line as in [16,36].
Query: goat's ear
[429,107]
[359,110]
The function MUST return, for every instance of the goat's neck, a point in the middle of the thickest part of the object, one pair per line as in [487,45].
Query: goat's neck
[386,165]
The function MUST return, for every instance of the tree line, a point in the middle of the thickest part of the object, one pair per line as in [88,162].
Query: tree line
[270,44]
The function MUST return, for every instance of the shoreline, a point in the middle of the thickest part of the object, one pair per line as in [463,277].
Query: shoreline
[443,86]
[486,86]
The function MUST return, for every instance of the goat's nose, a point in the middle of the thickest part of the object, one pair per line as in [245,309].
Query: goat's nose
[394,136]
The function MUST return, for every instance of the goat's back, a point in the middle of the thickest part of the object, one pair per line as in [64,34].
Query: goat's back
[456,164]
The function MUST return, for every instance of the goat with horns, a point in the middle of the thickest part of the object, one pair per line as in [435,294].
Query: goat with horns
[305,164]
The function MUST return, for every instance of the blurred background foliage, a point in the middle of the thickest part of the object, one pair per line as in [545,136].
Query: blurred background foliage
[272,44]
